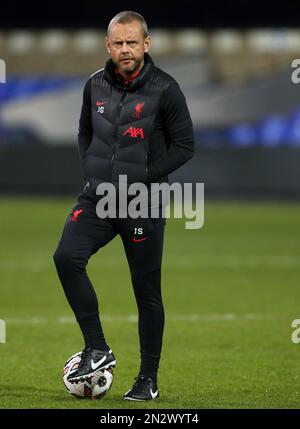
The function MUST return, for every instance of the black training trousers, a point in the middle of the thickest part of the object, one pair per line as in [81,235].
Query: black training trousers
[83,235]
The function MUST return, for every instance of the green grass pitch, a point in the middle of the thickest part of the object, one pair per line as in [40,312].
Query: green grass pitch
[231,291]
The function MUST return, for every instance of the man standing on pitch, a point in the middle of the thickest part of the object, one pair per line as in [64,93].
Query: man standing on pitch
[134,121]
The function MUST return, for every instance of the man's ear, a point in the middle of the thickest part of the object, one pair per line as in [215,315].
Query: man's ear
[107,44]
[147,44]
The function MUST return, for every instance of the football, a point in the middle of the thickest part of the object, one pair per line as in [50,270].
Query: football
[93,388]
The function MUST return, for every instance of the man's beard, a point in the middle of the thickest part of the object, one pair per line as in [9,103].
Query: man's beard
[129,70]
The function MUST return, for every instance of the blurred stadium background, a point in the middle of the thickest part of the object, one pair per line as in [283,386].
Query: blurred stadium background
[245,109]
[242,268]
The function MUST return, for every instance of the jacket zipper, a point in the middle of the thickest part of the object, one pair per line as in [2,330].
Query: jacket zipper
[146,160]
[117,126]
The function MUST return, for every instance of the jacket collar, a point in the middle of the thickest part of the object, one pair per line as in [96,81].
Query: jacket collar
[112,78]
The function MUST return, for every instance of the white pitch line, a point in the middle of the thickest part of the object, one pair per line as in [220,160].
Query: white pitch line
[134,318]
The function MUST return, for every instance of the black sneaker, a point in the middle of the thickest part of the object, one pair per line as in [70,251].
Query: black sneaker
[143,389]
[92,362]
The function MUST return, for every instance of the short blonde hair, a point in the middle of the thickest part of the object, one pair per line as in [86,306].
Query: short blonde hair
[126,17]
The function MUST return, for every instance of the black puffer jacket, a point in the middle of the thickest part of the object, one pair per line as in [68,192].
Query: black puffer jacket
[142,128]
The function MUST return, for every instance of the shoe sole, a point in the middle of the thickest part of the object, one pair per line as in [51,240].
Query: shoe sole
[81,378]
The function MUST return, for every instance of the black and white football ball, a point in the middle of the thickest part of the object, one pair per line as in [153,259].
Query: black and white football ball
[93,388]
